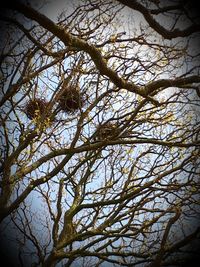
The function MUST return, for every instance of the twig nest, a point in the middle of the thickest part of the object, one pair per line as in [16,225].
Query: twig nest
[35,108]
[71,99]
[107,131]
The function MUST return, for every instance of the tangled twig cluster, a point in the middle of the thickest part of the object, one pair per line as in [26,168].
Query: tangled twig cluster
[106,131]
[71,100]
[35,108]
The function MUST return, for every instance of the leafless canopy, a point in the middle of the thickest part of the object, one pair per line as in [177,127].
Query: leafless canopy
[113,178]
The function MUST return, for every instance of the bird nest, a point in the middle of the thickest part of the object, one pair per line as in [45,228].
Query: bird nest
[71,100]
[36,108]
[107,131]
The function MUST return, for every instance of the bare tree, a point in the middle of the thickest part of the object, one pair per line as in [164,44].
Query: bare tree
[100,133]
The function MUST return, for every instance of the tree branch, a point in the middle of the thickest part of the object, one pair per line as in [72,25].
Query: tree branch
[79,44]
[167,34]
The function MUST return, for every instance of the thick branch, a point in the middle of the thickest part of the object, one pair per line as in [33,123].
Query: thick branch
[135,192]
[94,146]
[178,82]
[167,34]
[5,211]
[79,44]
[158,260]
